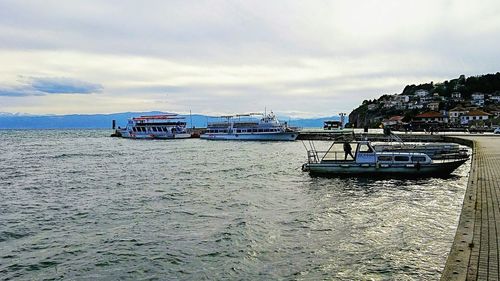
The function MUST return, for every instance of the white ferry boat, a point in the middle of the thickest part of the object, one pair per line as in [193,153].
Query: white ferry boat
[164,126]
[248,127]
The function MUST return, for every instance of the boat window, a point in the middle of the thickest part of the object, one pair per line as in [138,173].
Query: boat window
[384,158]
[154,129]
[418,159]
[144,129]
[255,130]
[364,148]
[238,131]
[260,130]
[401,158]
[134,129]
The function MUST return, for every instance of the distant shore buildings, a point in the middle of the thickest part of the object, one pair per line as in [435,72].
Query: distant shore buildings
[455,103]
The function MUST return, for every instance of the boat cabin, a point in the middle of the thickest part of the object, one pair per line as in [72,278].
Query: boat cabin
[332,125]
[364,153]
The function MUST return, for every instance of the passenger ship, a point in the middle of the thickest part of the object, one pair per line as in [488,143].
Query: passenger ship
[265,128]
[164,126]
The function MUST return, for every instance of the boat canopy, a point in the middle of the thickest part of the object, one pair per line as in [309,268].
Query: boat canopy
[158,117]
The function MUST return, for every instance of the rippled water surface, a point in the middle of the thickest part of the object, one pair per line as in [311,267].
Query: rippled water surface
[79,205]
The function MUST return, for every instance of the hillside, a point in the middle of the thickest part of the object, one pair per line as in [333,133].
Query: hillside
[479,92]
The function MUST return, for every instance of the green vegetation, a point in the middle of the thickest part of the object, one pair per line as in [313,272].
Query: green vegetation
[488,83]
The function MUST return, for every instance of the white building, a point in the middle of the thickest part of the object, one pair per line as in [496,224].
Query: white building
[495,99]
[421,93]
[478,96]
[415,105]
[456,113]
[404,98]
[456,96]
[474,115]
[432,116]
[477,99]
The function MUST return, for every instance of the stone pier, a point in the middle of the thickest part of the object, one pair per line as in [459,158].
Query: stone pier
[475,254]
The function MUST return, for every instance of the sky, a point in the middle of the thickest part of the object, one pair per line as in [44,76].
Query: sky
[298,58]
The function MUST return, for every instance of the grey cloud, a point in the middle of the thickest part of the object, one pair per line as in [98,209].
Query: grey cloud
[18,92]
[48,86]
[64,86]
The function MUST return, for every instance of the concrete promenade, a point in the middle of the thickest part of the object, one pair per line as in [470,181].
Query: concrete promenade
[475,254]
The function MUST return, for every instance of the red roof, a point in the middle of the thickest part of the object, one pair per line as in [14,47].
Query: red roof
[430,114]
[396,118]
[477,112]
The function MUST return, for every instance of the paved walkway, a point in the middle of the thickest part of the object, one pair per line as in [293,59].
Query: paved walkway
[475,254]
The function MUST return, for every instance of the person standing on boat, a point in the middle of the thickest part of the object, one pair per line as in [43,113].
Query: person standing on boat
[347,150]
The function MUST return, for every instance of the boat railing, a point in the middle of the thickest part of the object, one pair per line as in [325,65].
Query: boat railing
[315,156]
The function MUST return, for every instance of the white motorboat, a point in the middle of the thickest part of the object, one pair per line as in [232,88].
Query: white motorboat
[366,161]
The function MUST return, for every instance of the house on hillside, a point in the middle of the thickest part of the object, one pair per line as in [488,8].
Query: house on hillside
[427,99]
[455,114]
[477,99]
[474,115]
[431,116]
[415,105]
[404,98]
[456,96]
[433,106]
[421,93]
[437,97]
[394,121]
[495,99]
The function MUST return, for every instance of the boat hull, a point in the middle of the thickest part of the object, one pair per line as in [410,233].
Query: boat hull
[127,135]
[287,136]
[370,170]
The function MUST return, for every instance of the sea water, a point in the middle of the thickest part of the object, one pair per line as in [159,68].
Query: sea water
[80,205]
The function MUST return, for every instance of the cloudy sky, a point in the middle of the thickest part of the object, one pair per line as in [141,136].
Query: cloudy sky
[300,58]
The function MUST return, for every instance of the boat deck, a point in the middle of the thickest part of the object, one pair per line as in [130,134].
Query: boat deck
[475,254]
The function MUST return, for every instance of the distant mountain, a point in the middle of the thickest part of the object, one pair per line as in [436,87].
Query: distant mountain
[102,121]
